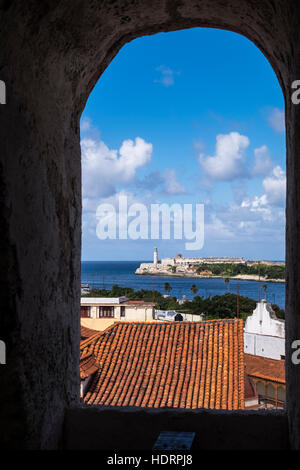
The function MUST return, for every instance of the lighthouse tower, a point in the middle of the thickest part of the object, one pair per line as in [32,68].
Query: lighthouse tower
[155,256]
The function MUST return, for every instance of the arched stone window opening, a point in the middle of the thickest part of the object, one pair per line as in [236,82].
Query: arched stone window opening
[50,67]
[99,186]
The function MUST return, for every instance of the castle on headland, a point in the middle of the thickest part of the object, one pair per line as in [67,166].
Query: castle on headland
[180,265]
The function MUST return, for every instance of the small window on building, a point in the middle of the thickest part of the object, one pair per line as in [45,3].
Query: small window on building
[122,311]
[282,357]
[85,311]
[106,312]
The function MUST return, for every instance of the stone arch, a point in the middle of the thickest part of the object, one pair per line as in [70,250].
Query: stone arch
[50,63]
[178,317]
[271,391]
[260,387]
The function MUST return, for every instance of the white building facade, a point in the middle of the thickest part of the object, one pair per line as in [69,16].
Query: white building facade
[264,333]
[117,308]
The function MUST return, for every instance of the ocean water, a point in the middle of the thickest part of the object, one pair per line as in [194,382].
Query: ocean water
[104,274]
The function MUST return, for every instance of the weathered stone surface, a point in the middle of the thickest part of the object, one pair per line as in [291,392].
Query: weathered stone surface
[138,428]
[52,54]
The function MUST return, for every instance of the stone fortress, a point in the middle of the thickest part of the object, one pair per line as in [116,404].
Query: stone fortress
[188,266]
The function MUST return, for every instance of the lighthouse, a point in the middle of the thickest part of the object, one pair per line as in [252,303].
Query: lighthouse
[155,256]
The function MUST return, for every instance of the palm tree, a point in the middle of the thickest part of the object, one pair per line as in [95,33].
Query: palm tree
[194,289]
[226,280]
[167,287]
[265,290]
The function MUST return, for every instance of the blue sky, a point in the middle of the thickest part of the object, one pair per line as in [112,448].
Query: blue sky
[193,116]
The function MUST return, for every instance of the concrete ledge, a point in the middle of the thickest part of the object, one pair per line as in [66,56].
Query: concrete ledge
[112,428]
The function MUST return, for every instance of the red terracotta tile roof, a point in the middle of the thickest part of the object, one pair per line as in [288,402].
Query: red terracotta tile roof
[265,368]
[86,332]
[88,365]
[179,365]
[249,389]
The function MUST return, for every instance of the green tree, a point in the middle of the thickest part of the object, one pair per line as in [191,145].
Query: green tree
[194,289]
[167,287]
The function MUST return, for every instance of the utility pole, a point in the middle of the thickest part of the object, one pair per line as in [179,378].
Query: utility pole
[237,299]
[259,281]
[152,290]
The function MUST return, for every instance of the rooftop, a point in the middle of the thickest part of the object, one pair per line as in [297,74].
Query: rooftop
[102,300]
[115,301]
[86,332]
[88,365]
[178,365]
[265,368]
[139,303]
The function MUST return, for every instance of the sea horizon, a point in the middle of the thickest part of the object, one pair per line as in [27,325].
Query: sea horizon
[105,274]
[151,261]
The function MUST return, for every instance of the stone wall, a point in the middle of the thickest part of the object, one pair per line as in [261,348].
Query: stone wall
[52,54]
[93,428]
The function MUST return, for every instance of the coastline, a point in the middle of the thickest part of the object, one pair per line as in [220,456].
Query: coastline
[241,277]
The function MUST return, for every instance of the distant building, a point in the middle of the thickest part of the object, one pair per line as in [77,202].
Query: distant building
[181,264]
[267,377]
[100,312]
[179,260]
[264,333]
[169,315]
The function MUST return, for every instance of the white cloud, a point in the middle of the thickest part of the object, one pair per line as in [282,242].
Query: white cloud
[276,120]
[275,187]
[228,162]
[218,230]
[262,161]
[257,204]
[103,169]
[253,220]
[85,124]
[172,186]
[167,76]
[256,218]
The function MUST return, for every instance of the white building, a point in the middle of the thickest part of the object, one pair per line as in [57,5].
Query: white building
[171,315]
[264,333]
[179,260]
[100,312]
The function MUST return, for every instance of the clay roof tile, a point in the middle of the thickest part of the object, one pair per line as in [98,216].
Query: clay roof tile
[168,364]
